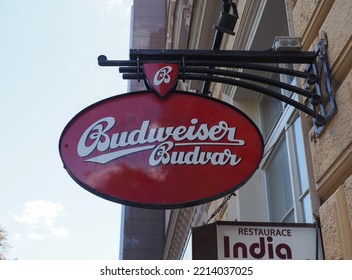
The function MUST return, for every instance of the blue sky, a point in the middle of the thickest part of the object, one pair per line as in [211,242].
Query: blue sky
[48,73]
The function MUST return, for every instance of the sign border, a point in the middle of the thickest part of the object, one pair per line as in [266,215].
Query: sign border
[159,206]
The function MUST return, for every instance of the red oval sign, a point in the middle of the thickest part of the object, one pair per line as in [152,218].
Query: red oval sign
[142,150]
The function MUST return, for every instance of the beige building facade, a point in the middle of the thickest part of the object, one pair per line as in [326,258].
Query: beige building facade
[303,178]
[331,152]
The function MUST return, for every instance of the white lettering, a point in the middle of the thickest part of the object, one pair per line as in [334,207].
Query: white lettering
[161,154]
[96,137]
[95,132]
[162,76]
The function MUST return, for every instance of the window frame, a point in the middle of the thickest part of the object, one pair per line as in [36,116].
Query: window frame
[284,127]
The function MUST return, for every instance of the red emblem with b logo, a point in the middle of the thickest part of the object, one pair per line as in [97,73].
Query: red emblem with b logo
[161,77]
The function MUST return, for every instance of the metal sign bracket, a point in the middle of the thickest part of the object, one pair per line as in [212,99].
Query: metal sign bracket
[218,66]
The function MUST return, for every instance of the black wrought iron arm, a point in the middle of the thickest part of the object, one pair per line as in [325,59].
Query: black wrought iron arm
[208,65]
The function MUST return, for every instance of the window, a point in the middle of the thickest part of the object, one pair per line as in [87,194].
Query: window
[278,184]
[271,108]
[302,196]
[187,251]
[284,166]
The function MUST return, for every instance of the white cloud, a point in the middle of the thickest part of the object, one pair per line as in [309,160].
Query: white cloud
[49,222]
[40,210]
[60,232]
[36,236]
[42,215]
[110,6]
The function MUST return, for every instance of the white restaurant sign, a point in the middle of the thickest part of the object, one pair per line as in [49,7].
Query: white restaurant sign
[244,240]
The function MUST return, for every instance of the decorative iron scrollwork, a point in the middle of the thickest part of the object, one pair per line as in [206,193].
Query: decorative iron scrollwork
[218,66]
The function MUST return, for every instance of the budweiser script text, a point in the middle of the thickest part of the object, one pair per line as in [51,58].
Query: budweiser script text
[161,140]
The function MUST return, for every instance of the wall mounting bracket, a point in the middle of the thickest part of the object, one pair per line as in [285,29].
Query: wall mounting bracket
[228,67]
